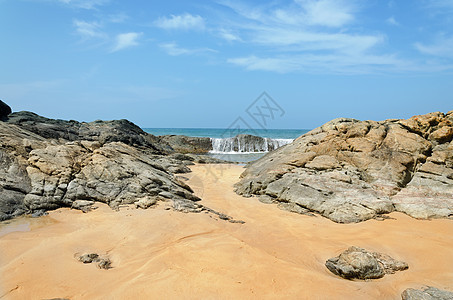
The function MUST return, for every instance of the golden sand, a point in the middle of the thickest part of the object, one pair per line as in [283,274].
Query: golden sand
[163,254]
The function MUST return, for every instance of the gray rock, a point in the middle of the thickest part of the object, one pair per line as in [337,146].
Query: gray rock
[187,144]
[88,258]
[428,293]
[53,166]
[104,263]
[351,171]
[358,263]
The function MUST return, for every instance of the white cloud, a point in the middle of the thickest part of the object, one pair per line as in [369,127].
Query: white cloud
[185,22]
[443,47]
[309,36]
[126,40]
[317,63]
[331,13]
[88,29]
[86,4]
[174,50]
[392,21]
[228,35]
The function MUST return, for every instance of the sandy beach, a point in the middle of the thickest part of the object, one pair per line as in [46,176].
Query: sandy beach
[163,254]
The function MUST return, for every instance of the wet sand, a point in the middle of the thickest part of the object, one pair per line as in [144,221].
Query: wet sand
[163,254]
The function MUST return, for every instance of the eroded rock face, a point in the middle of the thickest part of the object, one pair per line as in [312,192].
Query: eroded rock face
[350,171]
[46,169]
[358,263]
[100,131]
[429,293]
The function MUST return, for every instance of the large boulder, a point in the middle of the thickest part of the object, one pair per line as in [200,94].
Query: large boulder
[428,293]
[5,110]
[46,169]
[350,171]
[188,144]
[358,263]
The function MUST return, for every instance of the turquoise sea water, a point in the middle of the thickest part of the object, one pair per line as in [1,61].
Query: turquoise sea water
[225,133]
[279,136]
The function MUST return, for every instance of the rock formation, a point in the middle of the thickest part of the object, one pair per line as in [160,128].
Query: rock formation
[350,171]
[428,293]
[358,263]
[188,144]
[46,164]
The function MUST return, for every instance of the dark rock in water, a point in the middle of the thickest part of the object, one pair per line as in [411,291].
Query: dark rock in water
[428,293]
[358,263]
[246,143]
[187,144]
[5,110]
[351,171]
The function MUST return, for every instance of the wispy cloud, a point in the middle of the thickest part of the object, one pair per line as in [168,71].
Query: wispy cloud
[309,36]
[183,22]
[86,4]
[228,35]
[126,40]
[88,29]
[442,47]
[174,50]
[392,21]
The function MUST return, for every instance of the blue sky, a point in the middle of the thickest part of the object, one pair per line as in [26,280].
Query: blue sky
[202,63]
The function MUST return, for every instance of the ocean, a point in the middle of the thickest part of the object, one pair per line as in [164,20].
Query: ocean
[228,147]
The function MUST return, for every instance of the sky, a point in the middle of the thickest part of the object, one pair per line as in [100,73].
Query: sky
[203,64]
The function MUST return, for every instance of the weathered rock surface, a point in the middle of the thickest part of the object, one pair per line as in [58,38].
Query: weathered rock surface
[358,263]
[101,262]
[350,171]
[46,164]
[187,144]
[5,110]
[429,293]
[99,131]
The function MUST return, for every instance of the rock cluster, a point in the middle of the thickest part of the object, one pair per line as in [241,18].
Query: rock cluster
[350,171]
[46,164]
[358,263]
[428,293]
[101,263]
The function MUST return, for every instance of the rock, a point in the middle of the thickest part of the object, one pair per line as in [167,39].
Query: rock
[428,293]
[71,164]
[187,144]
[5,110]
[145,202]
[351,171]
[358,263]
[104,263]
[99,131]
[89,258]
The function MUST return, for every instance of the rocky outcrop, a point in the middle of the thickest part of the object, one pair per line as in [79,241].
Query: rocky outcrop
[98,131]
[358,263]
[5,110]
[350,171]
[188,144]
[428,293]
[46,164]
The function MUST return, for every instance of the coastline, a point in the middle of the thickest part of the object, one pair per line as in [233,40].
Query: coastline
[158,253]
